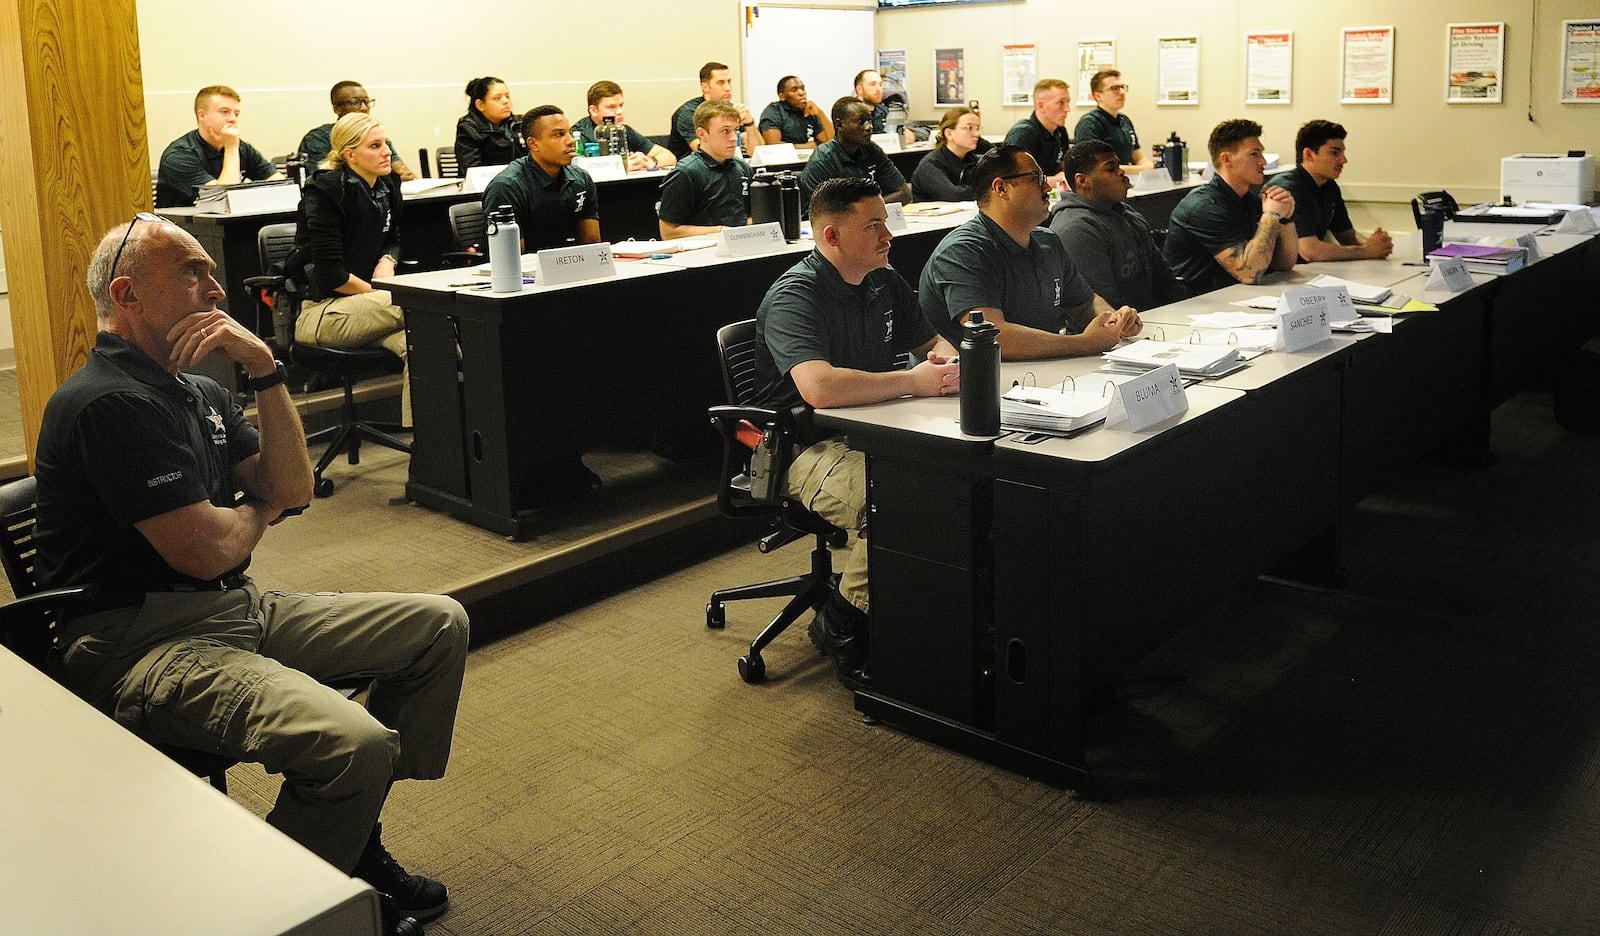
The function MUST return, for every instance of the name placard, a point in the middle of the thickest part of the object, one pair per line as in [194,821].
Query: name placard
[750,240]
[897,218]
[1531,244]
[1449,274]
[602,168]
[1148,399]
[561,265]
[774,154]
[1577,221]
[1306,316]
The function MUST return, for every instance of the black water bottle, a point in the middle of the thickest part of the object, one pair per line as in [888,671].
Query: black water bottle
[789,196]
[980,376]
[764,203]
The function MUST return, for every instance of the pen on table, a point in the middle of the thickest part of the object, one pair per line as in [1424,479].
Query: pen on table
[1413,263]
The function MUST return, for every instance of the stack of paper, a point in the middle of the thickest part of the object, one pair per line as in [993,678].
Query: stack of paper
[1359,292]
[1051,409]
[1193,360]
[1496,261]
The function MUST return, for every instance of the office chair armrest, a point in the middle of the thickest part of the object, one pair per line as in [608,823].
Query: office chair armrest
[463,258]
[53,599]
[727,418]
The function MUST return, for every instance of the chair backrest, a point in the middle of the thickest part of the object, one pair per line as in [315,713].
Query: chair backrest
[467,226]
[19,511]
[422,163]
[737,345]
[445,157]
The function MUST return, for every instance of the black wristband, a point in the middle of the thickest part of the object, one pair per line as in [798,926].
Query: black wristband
[278,376]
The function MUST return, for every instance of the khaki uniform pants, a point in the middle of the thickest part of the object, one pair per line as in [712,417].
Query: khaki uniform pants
[830,479]
[242,673]
[359,321]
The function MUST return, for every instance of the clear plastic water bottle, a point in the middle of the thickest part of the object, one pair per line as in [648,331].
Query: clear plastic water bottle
[505,250]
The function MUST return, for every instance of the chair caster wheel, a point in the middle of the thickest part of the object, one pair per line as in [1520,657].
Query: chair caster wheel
[752,669]
[323,488]
[716,616]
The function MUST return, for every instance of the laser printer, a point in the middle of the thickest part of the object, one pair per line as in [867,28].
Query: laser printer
[1547,177]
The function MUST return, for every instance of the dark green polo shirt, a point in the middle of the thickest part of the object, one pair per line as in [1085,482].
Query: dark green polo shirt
[1048,148]
[189,162]
[1100,124]
[1209,220]
[811,314]
[1318,209]
[314,146]
[680,143]
[880,117]
[794,125]
[702,191]
[830,161]
[978,264]
[548,207]
[637,142]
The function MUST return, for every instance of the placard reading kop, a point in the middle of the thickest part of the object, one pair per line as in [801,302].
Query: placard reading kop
[561,265]
[1305,316]
[1450,274]
[1148,399]
[751,240]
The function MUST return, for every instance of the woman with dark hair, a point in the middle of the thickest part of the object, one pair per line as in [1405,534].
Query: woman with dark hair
[487,134]
[347,234]
[942,174]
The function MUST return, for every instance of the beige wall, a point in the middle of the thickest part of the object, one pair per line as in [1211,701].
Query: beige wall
[1416,144]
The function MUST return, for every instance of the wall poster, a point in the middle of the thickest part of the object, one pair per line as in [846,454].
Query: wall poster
[1580,62]
[1094,55]
[1367,76]
[950,77]
[1019,69]
[1476,60]
[1178,70]
[1269,67]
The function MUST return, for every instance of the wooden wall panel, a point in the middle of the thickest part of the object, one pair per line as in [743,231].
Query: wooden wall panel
[73,163]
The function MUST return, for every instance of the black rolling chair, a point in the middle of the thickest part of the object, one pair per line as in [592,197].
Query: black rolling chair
[469,230]
[27,625]
[742,427]
[277,299]
[445,158]
[422,163]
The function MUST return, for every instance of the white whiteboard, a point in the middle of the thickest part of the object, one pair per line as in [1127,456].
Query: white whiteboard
[825,48]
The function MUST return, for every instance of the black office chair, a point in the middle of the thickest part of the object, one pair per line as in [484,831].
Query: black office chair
[742,427]
[27,625]
[422,163]
[469,230]
[445,158]
[277,298]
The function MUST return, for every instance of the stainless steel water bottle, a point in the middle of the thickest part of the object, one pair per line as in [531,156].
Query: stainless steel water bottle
[505,250]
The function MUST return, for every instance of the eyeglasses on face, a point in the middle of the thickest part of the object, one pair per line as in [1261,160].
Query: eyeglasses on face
[1036,175]
[358,102]
[1116,88]
[141,216]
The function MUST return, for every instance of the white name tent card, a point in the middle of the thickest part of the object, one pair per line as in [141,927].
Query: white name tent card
[897,218]
[1450,275]
[1305,316]
[1148,399]
[575,264]
[750,240]
[1530,243]
[479,177]
[775,154]
[602,168]
[1577,222]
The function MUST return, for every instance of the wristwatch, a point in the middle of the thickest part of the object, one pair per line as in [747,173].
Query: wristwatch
[278,376]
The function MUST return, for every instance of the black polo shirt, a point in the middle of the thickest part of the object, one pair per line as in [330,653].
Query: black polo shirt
[795,126]
[1047,147]
[978,264]
[637,142]
[1318,209]
[812,314]
[122,441]
[702,191]
[1115,129]
[319,140]
[1209,220]
[942,176]
[880,117]
[190,162]
[343,227]
[682,139]
[548,208]
[830,161]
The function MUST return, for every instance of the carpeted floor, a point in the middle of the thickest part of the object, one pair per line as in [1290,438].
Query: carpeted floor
[1417,752]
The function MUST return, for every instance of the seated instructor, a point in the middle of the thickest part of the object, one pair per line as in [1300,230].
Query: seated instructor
[210,153]
[794,118]
[556,203]
[710,189]
[1016,273]
[833,331]
[1319,156]
[347,234]
[139,466]
[853,154]
[605,100]
[1223,232]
